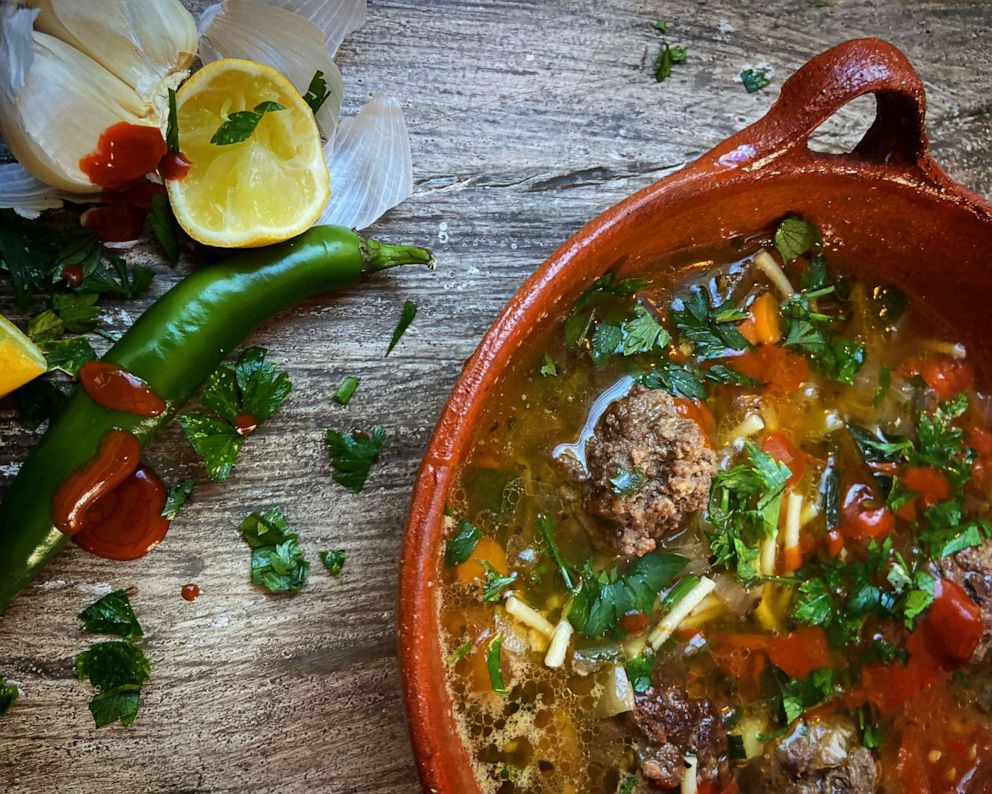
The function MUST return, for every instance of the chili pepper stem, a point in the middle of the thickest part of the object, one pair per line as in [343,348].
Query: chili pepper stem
[380,256]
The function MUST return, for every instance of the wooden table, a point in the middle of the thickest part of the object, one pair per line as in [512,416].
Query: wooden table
[527,119]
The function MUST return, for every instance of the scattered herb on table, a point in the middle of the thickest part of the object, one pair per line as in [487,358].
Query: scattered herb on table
[244,395]
[754,80]
[172,131]
[352,455]
[117,669]
[68,355]
[8,695]
[177,497]
[406,317]
[346,390]
[277,562]
[240,125]
[661,25]
[668,56]
[333,561]
[66,312]
[317,92]
[165,227]
[111,614]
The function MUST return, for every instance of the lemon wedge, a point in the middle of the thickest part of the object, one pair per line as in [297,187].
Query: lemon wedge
[20,359]
[268,187]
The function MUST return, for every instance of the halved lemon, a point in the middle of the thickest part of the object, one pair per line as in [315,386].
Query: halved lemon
[269,187]
[20,359]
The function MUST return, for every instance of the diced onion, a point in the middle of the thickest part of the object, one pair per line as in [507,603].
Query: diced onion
[558,648]
[618,694]
[767,265]
[528,616]
[769,551]
[690,784]
[680,612]
[751,424]
[793,522]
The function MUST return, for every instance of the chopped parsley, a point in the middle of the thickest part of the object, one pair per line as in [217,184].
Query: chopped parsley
[627,785]
[546,526]
[604,598]
[172,132]
[117,670]
[640,670]
[406,317]
[494,663]
[668,56]
[240,125]
[277,562]
[459,547]
[712,329]
[798,695]
[8,695]
[459,653]
[111,614]
[643,333]
[754,80]
[580,318]
[884,383]
[346,390]
[496,583]
[242,396]
[317,93]
[548,367]
[68,355]
[795,237]
[673,378]
[352,455]
[721,373]
[333,561]
[177,497]
[744,506]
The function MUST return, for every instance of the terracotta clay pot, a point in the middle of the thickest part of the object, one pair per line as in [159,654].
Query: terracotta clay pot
[887,203]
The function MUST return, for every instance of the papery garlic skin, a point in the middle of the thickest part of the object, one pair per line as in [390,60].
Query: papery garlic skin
[66,102]
[147,44]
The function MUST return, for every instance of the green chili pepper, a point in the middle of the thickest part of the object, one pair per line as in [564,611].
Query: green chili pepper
[174,347]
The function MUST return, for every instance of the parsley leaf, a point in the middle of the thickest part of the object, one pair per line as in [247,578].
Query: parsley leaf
[880,447]
[459,547]
[164,226]
[546,526]
[8,695]
[580,316]
[121,281]
[660,25]
[241,124]
[277,562]
[673,378]
[25,248]
[406,317]
[214,440]
[639,671]
[495,582]
[721,373]
[605,598]
[884,382]
[172,132]
[66,312]
[68,355]
[668,56]
[940,441]
[606,340]
[798,695]
[117,669]
[178,494]
[459,653]
[494,663]
[548,368]
[352,455]
[39,401]
[744,506]
[712,329]
[794,237]
[643,333]
[754,80]
[333,561]
[346,390]
[111,614]
[317,93]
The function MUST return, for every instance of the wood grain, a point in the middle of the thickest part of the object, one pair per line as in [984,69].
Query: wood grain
[527,119]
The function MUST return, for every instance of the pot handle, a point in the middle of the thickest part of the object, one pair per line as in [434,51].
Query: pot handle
[824,85]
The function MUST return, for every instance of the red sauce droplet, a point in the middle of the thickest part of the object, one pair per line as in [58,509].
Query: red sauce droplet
[123,217]
[115,388]
[245,424]
[72,275]
[174,166]
[125,154]
[112,505]
[190,592]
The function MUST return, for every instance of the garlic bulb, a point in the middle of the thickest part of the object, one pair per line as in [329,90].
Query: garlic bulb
[148,44]
[56,101]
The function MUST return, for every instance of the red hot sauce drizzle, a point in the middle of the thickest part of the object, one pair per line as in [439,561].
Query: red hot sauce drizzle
[112,505]
[245,424]
[72,275]
[113,387]
[190,592]
[174,165]
[125,154]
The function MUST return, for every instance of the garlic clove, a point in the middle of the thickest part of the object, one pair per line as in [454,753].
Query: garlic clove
[56,102]
[27,196]
[289,43]
[370,164]
[148,44]
[335,18]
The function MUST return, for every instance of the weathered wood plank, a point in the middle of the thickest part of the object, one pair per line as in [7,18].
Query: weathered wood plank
[527,119]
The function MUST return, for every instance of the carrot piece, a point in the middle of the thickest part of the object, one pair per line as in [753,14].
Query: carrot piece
[472,570]
[766,319]
[800,652]
[930,484]
[792,559]
[947,376]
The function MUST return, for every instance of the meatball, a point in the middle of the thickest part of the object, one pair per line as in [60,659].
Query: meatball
[972,569]
[675,726]
[813,758]
[648,469]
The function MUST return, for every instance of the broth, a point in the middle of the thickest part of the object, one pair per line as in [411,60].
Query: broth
[820,578]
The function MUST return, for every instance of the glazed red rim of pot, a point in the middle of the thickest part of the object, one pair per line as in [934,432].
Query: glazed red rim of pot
[887,202]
